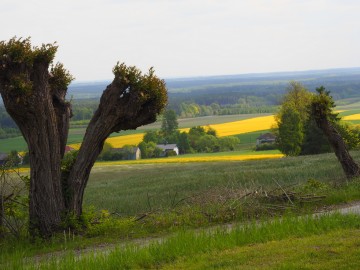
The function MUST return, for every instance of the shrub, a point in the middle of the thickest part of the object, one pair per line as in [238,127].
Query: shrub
[266,146]
[14,194]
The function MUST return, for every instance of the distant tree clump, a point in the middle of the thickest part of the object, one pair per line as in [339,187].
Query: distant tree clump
[199,139]
[290,132]
[291,119]
[297,130]
[33,90]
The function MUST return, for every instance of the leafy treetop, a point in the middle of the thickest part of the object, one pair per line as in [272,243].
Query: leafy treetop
[19,60]
[323,104]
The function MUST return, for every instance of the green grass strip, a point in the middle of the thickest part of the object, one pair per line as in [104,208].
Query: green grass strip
[331,250]
[190,243]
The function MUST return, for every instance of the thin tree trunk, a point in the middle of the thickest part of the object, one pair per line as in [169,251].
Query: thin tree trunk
[350,167]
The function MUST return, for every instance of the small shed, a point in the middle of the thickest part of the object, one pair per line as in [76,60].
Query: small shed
[166,148]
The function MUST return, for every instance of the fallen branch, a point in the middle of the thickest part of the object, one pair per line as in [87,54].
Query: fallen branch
[284,192]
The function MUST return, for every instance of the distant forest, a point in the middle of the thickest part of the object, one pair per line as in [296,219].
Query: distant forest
[216,95]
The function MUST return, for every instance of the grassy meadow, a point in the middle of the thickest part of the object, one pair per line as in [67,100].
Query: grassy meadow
[132,188]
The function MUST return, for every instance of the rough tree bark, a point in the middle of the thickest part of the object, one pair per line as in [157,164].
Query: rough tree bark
[34,96]
[321,108]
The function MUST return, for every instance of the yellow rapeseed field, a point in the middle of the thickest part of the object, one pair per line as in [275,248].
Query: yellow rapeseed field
[352,117]
[201,158]
[120,141]
[225,129]
[191,159]
[76,146]
[244,126]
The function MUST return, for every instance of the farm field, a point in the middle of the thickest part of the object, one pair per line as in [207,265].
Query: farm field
[202,157]
[244,126]
[352,117]
[16,143]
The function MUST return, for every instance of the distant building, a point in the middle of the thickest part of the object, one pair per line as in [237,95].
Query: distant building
[3,158]
[166,148]
[13,160]
[269,138]
[68,149]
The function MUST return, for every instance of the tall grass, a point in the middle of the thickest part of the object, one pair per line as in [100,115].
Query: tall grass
[130,189]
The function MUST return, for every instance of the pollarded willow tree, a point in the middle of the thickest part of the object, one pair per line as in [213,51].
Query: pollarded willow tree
[33,91]
[322,110]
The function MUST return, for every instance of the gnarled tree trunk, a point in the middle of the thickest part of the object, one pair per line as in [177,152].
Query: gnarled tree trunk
[35,115]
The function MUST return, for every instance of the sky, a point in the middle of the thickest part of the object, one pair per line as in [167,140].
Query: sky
[185,38]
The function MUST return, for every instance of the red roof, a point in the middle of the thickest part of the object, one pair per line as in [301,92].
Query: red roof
[68,149]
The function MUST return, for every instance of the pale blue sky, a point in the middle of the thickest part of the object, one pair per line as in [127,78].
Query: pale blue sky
[190,37]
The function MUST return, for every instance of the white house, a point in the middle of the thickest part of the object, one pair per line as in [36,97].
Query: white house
[167,148]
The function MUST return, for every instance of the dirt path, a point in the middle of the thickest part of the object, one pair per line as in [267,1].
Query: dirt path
[352,208]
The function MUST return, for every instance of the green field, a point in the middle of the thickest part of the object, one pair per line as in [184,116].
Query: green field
[16,143]
[248,140]
[349,112]
[128,191]
[349,104]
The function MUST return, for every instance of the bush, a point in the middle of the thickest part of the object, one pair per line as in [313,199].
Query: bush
[266,146]
[14,193]
[171,153]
